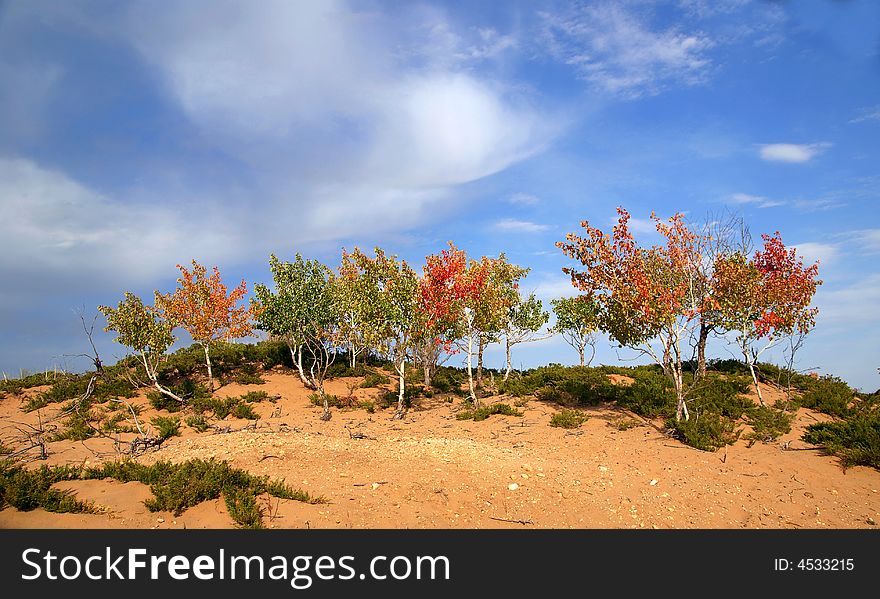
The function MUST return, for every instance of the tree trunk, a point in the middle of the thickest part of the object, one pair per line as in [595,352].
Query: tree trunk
[428,368]
[210,373]
[681,406]
[751,365]
[296,356]
[470,353]
[353,356]
[581,353]
[154,378]
[507,346]
[398,415]
[701,351]
[326,415]
[480,346]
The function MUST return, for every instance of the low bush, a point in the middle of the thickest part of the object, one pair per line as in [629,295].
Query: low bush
[707,431]
[568,419]
[568,386]
[484,412]
[26,490]
[829,395]
[374,379]
[768,424]
[197,422]
[721,396]
[649,395]
[856,440]
[245,411]
[167,427]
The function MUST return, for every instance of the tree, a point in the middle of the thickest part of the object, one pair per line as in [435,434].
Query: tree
[500,293]
[390,317]
[351,327]
[524,321]
[442,293]
[304,311]
[720,235]
[765,299]
[140,328]
[646,295]
[202,307]
[577,320]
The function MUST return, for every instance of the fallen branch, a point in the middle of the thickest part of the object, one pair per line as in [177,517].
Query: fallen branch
[512,521]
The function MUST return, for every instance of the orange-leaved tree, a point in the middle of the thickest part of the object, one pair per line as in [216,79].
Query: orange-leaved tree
[647,295]
[204,308]
[765,298]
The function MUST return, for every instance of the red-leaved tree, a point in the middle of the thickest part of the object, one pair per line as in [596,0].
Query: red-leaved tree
[764,299]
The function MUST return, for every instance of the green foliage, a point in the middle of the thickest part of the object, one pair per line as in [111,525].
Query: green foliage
[577,319]
[245,411]
[167,427]
[856,440]
[76,427]
[374,379]
[568,419]
[707,431]
[569,386]
[160,401]
[242,507]
[768,424]
[650,395]
[197,422]
[138,326]
[829,395]
[26,490]
[449,380]
[369,406]
[176,487]
[340,368]
[332,400]
[484,412]
[721,396]
[247,375]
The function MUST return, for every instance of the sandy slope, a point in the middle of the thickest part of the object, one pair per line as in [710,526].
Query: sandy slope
[431,470]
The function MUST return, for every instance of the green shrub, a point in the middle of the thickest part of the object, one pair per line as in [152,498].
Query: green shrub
[160,401]
[340,368]
[368,406]
[856,440]
[244,411]
[768,424]
[167,427]
[649,395]
[568,386]
[26,490]
[256,397]
[248,375]
[332,400]
[176,487]
[448,380]
[568,419]
[721,396]
[374,379]
[197,422]
[706,431]
[484,412]
[76,428]
[829,395]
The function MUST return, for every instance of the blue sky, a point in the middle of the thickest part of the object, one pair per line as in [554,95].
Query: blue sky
[133,138]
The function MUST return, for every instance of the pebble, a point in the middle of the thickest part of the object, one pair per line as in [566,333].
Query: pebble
[653,482]
[513,486]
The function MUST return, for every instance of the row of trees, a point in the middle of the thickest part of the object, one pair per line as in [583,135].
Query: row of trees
[664,300]
[370,302]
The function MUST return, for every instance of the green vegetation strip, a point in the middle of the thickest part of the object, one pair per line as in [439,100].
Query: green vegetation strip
[175,487]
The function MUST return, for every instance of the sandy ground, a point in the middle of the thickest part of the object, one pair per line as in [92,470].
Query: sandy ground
[433,471]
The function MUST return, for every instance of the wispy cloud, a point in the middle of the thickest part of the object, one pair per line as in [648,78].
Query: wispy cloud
[868,240]
[792,153]
[521,226]
[523,199]
[759,201]
[617,49]
[867,114]
[811,251]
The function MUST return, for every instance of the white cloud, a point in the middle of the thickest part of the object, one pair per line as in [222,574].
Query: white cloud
[792,153]
[520,226]
[856,303]
[55,227]
[811,251]
[867,239]
[321,96]
[523,199]
[550,286]
[760,201]
[617,50]
[867,114]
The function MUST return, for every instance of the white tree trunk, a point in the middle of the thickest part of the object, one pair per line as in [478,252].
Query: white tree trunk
[210,372]
[507,372]
[470,371]
[401,381]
